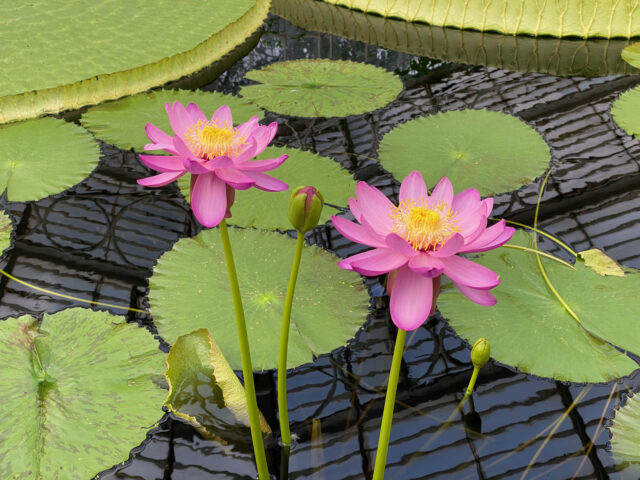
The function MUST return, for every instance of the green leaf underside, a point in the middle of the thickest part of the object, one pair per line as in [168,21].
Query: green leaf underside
[561,57]
[491,151]
[270,210]
[205,391]
[530,330]
[580,18]
[625,111]
[625,431]
[631,55]
[189,290]
[321,88]
[43,157]
[600,262]
[122,122]
[5,231]
[77,393]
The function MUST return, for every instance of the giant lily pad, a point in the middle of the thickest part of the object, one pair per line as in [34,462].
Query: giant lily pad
[491,151]
[625,431]
[5,232]
[625,111]
[43,157]
[270,210]
[205,391]
[189,290]
[122,122]
[110,49]
[576,18]
[529,329]
[77,393]
[321,88]
[631,55]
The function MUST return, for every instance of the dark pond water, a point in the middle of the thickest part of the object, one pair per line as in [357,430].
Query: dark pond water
[101,239]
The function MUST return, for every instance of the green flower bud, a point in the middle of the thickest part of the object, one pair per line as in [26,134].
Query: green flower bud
[305,207]
[480,352]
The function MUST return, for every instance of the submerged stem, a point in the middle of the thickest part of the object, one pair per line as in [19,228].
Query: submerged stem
[247,369]
[283,411]
[389,404]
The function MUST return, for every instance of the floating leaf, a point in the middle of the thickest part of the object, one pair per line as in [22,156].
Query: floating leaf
[116,49]
[631,55]
[122,122]
[321,88]
[204,390]
[625,431]
[77,393]
[5,232]
[270,210]
[577,18]
[491,151]
[529,329]
[600,263]
[189,290]
[625,111]
[44,157]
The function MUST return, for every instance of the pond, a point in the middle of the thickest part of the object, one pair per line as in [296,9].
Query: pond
[101,239]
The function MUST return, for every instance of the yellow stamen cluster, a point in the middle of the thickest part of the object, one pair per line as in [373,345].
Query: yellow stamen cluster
[211,140]
[424,227]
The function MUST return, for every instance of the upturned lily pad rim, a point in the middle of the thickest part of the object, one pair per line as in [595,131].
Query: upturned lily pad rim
[10,238]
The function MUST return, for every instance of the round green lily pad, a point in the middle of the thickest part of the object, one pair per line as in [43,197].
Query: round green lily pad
[76,394]
[122,122]
[625,111]
[631,55]
[107,50]
[321,88]
[530,330]
[270,210]
[491,151]
[5,232]
[189,290]
[43,157]
[625,431]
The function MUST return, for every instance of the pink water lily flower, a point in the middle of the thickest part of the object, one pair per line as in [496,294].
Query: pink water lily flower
[217,154]
[418,240]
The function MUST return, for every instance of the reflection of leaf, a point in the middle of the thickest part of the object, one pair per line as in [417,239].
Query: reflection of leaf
[600,263]
[204,390]
[76,394]
[491,151]
[189,290]
[321,88]
[625,431]
[43,157]
[529,329]
[5,232]
[270,210]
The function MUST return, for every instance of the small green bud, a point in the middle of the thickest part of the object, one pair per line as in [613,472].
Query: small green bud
[305,207]
[480,352]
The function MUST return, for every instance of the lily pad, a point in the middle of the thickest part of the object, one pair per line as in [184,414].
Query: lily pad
[122,122]
[631,55]
[600,263]
[625,431]
[491,151]
[625,111]
[189,290]
[43,157]
[321,88]
[77,393]
[530,330]
[205,391]
[5,232]
[110,49]
[270,210]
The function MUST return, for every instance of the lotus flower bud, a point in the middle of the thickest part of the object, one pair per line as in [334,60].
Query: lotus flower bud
[305,207]
[480,352]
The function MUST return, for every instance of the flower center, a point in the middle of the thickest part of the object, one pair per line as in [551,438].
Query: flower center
[424,227]
[209,141]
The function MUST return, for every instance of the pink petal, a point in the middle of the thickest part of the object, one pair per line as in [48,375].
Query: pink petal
[375,208]
[453,246]
[250,151]
[263,136]
[488,205]
[493,237]
[400,245]
[235,178]
[426,265]
[247,127]
[160,180]
[160,140]
[196,166]
[481,297]
[209,199]
[443,192]
[266,182]
[356,233]
[411,299]
[196,114]
[468,221]
[179,119]
[413,188]
[356,211]
[466,272]
[373,262]
[221,117]
[466,200]
[262,165]
[163,163]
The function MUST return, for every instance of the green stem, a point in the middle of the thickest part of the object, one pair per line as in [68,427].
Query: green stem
[472,382]
[284,344]
[389,404]
[247,369]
